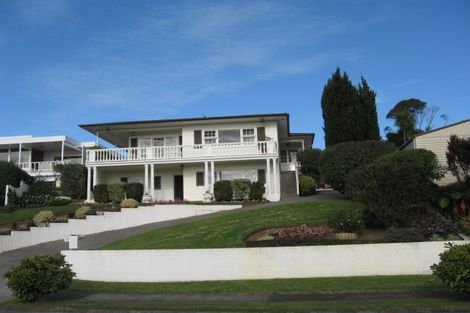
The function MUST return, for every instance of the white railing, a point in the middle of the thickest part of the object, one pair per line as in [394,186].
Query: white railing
[45,166]
[258,148]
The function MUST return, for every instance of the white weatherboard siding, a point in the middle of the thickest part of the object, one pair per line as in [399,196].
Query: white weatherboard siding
[106,222]
[256,263]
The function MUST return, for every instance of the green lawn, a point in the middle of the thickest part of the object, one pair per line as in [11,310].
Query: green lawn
[229,230]
[272,286]
[23,214]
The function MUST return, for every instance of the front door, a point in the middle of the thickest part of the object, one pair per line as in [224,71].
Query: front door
[179,187]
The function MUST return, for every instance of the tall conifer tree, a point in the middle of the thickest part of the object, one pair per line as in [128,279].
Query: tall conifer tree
[369,111]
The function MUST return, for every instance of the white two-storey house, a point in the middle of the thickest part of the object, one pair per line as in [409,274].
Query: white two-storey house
[182,158]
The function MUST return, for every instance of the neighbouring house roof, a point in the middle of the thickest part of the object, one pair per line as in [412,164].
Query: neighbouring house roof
[104,130]
[27,140]
[431,131]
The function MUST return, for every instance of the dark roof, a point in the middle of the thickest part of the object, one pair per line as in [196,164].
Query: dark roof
[431,131]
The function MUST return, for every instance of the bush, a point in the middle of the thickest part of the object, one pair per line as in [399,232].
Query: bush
[409,234]
[347,221]
[453,268]
[43,217]
[38,276]
[82,212]
[397,187]
[301,232]
[337,161]
[310,162]
[307,185]
[60,201]
[241,188]
[223,190]
[10,174]
[116,192]
[73,180]
[41,187]
[257,190]
[100,193]
[135,191]
[436,224]
[129,203]
[39,192]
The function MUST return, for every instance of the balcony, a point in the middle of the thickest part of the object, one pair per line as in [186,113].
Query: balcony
[44,167]
[239,150]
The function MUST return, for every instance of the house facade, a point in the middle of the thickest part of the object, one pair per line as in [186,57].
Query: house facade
[182,158]
[436,141]
[38,155]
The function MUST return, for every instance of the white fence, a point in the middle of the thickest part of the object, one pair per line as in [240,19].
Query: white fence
[255,263]
[108,221]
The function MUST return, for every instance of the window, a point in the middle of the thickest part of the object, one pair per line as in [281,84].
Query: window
[157,182]
[229,135]
[283,156]
[235,174]
[248,135]
[210,137]
[262,176]
[171,141]
[289,156]
[158,142]
[124,180]
[199,178]
[145,142]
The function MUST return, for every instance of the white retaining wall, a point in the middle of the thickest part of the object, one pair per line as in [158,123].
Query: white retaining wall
[108,221]
[255,263]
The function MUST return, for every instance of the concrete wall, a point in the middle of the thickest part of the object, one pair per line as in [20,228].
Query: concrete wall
[255,263]
[108,221]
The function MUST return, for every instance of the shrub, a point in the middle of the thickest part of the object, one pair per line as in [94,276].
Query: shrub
[116,192]
[100,193]
[310,162]
[223,190]
[82,212]
[347,220]
[60,201]
[307,185]
[458,157]
[41,187]
[43,217]
[453,268]
[436,224]
[337,161]
[10,174]
[129,203]
[410,234]
[301,232]
[38,276]
[241,188]
[257,190]
[397,187]
[135,191]
[73,180]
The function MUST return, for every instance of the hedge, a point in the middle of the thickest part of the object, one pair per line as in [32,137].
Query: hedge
[135,191]
[100,193]
[73,180]
[223,190]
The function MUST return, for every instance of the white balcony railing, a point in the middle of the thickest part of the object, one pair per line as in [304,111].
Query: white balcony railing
[184,152]
[45,166]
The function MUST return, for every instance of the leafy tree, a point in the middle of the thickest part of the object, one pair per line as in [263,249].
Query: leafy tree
[10,174]
[458,157]
[310,162]
[369,111]
[73,180]
[404,114]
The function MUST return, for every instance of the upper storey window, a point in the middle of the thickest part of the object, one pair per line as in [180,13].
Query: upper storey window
[229,135]
[210,136]
[248,135]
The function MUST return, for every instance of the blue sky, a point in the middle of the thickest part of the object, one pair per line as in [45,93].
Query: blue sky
[63,63]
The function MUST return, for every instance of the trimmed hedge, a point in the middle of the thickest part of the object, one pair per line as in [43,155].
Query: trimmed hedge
[257,190]
[307,185]
[117,192]
[241,188]
[129,203]
[223,190]
[135,191]
[398,187]
[100,193]
[73,180]
[337,161]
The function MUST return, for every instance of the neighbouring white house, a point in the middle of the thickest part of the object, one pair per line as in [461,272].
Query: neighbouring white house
[38,155]
[436,140]
[182,158]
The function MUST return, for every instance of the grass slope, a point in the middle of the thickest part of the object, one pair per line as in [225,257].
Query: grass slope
[229,230]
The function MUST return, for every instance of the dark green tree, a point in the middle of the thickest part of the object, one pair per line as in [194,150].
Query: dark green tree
[340,106]
[405,114]
[368,110]
[310,163]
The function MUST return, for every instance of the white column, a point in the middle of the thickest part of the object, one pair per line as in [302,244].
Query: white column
[62,151]
[95,176]
[9,154]
[88,184]
[19,155]
[276,178]
[212,176]
[297,180]
[268,176]
[152,181]
[206,176]
[146,181]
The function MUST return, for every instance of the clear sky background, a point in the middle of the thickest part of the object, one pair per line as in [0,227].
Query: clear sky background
[63,63]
